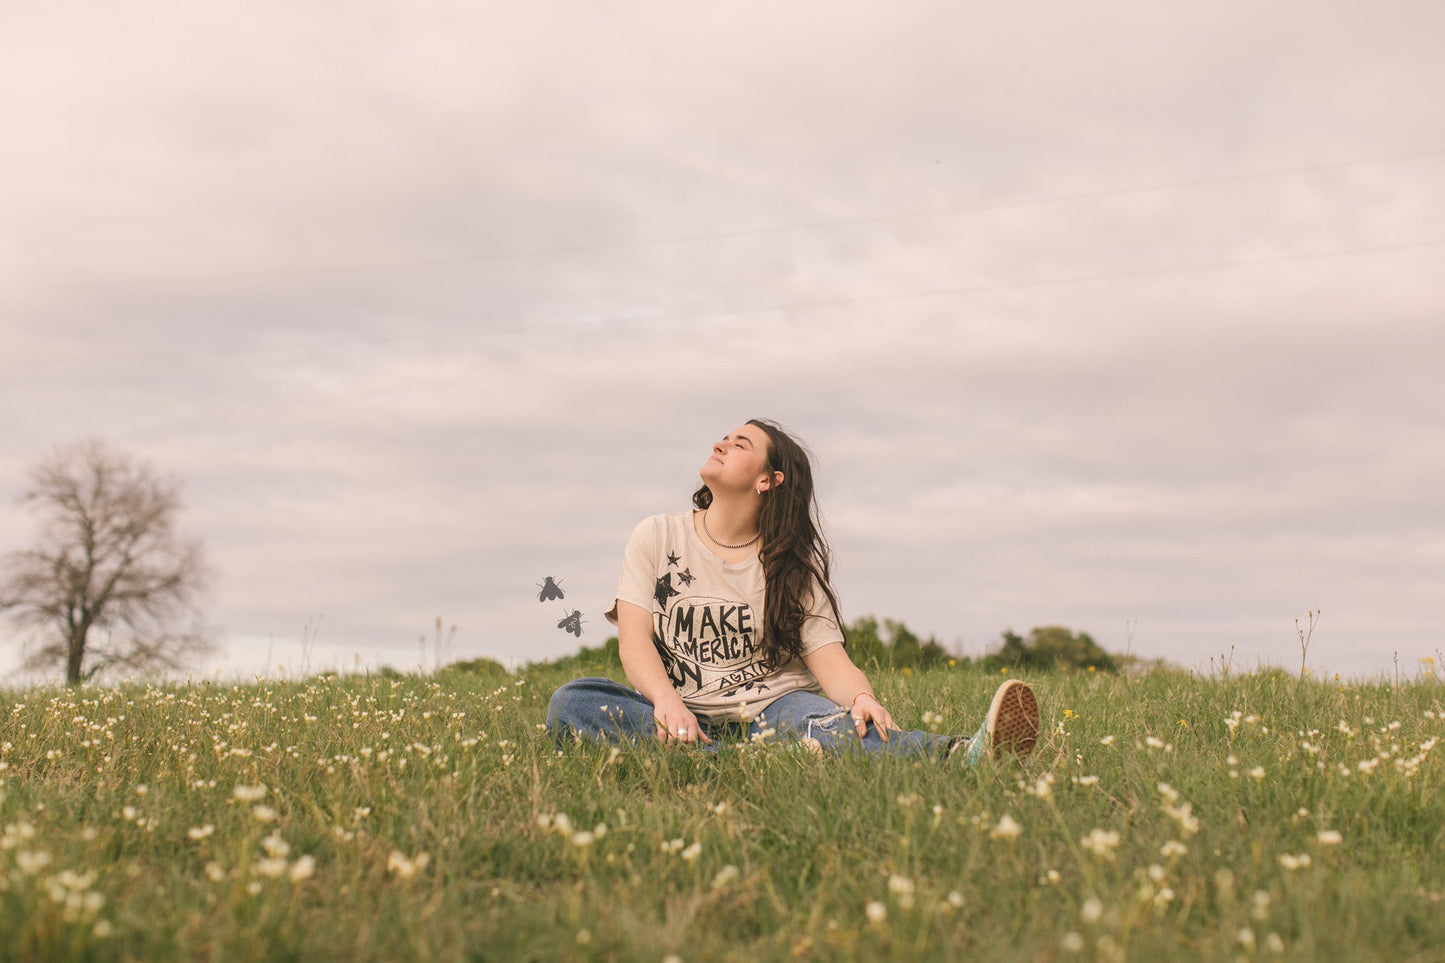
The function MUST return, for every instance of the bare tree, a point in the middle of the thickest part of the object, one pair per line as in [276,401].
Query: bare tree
[110,584]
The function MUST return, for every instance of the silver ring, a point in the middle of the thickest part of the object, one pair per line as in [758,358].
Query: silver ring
[682,730]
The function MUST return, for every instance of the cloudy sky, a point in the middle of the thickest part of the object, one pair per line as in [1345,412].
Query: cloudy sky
[1126,316]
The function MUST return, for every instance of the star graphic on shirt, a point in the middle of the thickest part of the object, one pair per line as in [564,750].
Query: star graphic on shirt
[664,590]
[673,559]
[686,576]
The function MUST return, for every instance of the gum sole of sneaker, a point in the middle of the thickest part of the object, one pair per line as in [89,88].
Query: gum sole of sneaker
[1015,715]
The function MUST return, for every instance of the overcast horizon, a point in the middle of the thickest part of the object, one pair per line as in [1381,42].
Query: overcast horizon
[1126,317]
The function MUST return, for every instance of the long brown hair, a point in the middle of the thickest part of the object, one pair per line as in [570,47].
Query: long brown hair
[796,559]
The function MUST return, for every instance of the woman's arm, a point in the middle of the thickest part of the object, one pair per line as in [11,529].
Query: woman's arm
[645,671]
[845,684]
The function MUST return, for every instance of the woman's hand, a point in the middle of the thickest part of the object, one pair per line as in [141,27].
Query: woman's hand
[676,723]
[866,708]
[842,681]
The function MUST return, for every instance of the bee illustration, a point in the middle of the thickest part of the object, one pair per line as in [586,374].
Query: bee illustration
[550,590]
[572,623]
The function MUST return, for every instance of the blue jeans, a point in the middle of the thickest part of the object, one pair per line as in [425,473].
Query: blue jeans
[608,711]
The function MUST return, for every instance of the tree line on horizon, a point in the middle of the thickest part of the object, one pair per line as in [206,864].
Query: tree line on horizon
[890,644]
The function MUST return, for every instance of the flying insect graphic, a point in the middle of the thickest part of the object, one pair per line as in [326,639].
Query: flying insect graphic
[550,590]
[572,623]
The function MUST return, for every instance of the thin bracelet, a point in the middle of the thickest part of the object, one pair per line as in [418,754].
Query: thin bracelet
[860,695]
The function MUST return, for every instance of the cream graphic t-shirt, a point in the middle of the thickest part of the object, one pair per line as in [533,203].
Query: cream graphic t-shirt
[707,621]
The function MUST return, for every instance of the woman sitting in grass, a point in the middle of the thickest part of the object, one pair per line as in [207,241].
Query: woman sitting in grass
[728,627]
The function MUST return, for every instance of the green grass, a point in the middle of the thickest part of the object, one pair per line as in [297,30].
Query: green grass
[431,818]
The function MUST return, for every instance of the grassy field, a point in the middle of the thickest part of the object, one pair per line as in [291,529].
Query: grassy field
[1164,816]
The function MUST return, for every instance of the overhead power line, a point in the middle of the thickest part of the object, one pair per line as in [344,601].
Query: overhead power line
[500,328]
[864,220]
[986,287]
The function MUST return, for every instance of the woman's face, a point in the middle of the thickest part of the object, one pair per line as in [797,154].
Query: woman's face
[739,461]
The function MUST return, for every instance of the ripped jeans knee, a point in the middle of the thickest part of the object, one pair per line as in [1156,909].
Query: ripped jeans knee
[830,726]
[821,722]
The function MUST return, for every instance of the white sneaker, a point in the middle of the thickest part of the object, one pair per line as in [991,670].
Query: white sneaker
[1012,723]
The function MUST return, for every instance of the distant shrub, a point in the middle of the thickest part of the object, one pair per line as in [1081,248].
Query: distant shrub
[892,647]
[889,644]
[599,660]
[1052,647]
[487,668]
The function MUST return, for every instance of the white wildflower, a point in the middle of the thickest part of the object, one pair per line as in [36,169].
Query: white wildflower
[1006,828]
[269,867]
[1101,842]
[902,888]
[275,846]
[1183,814]
[726,875]
[405,867]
